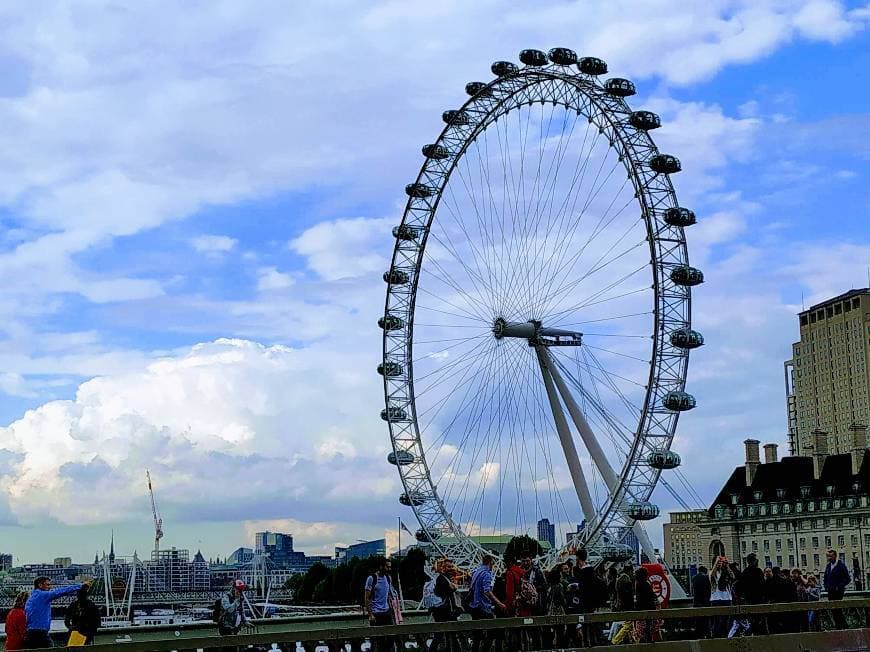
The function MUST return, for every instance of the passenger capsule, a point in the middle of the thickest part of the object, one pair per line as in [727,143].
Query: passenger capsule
[687,276]
[454,118]
[533,58]
[643,511]
[390,369]
[419,190]
[678,401]
[680,217]
[686,338]
[645,120]
[438,152]
[405,232]
[562,56]
[503,68]
[619,87]
[425,536]
[400,458]
[412,500]
[391,323]
[617,552]
[663,460]
[592,66]
[394,413]
[665,164]
[396,277]
[475,88]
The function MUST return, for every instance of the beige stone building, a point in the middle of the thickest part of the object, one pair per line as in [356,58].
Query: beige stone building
[684,544]
[790,511]
[828,378]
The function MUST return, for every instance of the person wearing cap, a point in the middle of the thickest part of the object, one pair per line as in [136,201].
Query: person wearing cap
[232,616]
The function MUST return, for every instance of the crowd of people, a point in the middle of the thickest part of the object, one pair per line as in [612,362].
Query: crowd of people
[28,623]
[727,584]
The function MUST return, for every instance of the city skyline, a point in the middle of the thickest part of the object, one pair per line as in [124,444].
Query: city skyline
[202,305]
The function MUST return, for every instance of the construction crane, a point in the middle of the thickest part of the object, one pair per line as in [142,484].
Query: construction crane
[158,522]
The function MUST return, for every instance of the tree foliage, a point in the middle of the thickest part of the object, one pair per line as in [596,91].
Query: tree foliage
[521,546]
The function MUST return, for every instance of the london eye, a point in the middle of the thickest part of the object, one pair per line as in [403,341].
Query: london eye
[537,323]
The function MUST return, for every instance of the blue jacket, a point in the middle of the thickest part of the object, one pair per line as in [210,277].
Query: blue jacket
[836,576]
[38,607]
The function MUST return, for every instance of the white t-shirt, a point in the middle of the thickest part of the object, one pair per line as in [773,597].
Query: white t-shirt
[715,592]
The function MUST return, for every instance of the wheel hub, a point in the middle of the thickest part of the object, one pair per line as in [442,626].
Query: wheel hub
[535,333]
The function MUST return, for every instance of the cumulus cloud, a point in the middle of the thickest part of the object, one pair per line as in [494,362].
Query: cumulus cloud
[213,244]
[233,429]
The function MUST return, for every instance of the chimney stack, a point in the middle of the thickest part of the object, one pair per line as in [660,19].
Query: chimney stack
[858,445]
[752,460]
[770,454]
[820,451]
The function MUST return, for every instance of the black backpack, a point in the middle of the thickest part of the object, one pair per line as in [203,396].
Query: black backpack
[217,610]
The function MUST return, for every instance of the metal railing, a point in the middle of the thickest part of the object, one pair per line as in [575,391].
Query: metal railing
[679,632]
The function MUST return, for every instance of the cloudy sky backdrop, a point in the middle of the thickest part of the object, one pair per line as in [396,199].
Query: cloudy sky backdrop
[196,202]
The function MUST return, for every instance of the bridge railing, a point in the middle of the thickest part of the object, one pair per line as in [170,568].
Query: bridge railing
[679,627]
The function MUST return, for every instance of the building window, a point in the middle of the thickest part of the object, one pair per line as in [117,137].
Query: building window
[753,528]
[791,560]
[778,543]
[828,542]
[779,560]
[840,522]
[854,540]
[766,545]
[743,546]
[803,542]
[791,544]
[755,546]
[816,560]
[841,541]
[815,542]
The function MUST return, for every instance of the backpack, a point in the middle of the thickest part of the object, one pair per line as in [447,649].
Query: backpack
[217,611]
[430,600]
[527,596]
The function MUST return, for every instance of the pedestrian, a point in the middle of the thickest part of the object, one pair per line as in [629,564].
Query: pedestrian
[16,623]
[645,599]
[813,594]
[37,611]
[521,595]
[721,581]
[82,619]
[701,598]
[442,603]
[624,602]
[380,601]
[749,588]
[836,579]
[557,604]
[483,602]
[593,594]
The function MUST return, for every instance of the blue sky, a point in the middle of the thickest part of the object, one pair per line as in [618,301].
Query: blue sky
[174,176]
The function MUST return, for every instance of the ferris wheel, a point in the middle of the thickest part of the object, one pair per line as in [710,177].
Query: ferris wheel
[537,324]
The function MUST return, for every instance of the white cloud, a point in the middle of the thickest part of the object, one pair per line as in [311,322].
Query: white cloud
[346,248]
[213,244]
[269,278]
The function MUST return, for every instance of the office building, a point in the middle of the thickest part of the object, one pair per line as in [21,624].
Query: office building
[365,549]
[5,562]
[828,377]
[684,544]
[547,532]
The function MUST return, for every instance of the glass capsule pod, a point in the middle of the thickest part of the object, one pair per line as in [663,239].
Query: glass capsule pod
[425,536]
[438,152]
[400,458]
[665,164]
[476,87]
[405,232]
[394,413]
[592,66]
[678,401]
[645,511]
[617,552]
[687,276]
[455,117]
[562,56]
[679,216]
[663,460]
[533,57]
[620,87]
[686,338]
[645,120]
[503,68]
[419,190]
[391,323]
[396,277]
[412,500]
[390,369]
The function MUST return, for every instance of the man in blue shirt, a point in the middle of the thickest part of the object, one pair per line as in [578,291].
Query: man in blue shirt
[38,611]
[482,601]
[379,601]
[836,579]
